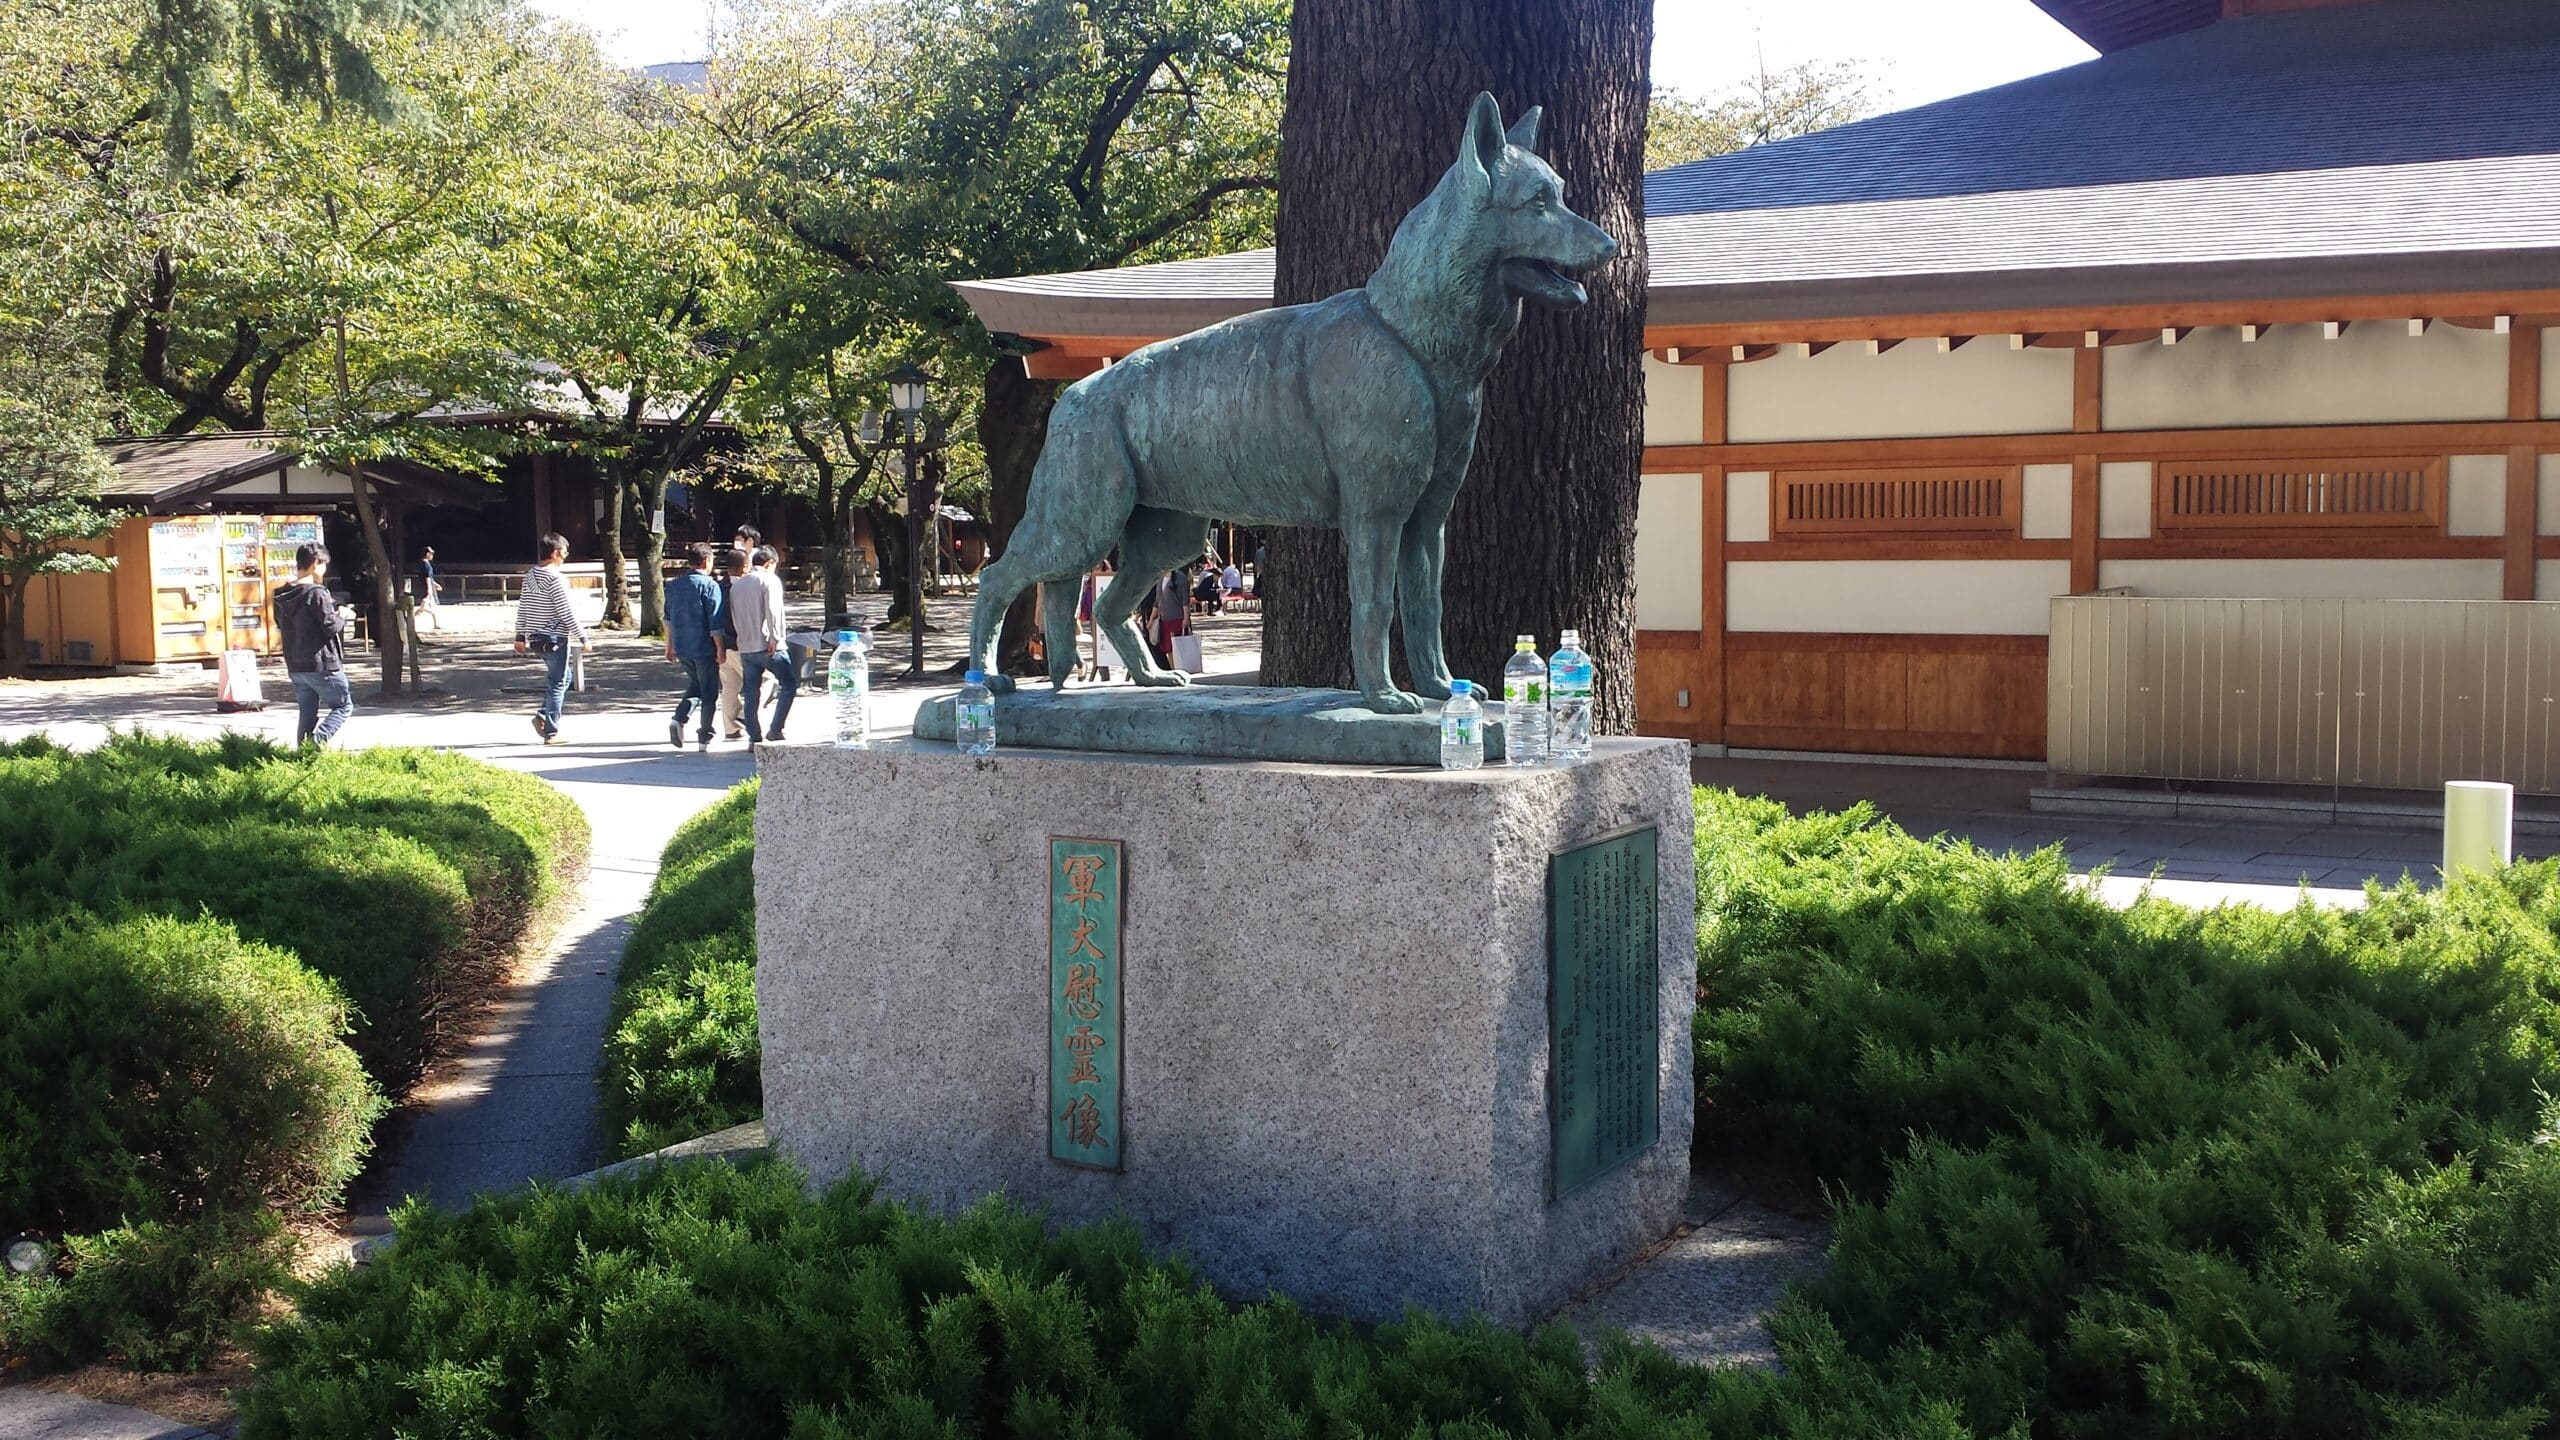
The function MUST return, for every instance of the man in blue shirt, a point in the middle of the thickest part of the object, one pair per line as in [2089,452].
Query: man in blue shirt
[693,641]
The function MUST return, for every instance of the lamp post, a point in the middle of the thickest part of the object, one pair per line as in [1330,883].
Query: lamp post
[907,395]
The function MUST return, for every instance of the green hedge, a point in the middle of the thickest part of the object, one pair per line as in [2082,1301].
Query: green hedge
[681,1056]
[2157,1172]
[704,1300]
[163,1070]
[214,960]
[2097,1174]
[403,875]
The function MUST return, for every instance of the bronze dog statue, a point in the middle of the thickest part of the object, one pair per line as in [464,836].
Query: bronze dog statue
[1356,412]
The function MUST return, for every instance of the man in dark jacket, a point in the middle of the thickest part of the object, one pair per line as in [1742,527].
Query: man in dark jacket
[314,654]
[694,607]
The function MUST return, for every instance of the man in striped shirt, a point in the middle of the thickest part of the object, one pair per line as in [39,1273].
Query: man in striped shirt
[547,624]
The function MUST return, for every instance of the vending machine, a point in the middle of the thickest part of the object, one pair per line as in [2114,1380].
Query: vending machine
[187,616]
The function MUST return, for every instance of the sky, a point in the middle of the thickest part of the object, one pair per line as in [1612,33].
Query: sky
[1919,50]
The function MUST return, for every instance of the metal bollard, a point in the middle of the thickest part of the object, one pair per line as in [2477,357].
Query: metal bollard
[2479,825]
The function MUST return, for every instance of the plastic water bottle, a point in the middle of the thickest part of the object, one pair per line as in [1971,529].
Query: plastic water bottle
[1524,704]
[973,717]
[1462,728]
[849,681]
[1569,700]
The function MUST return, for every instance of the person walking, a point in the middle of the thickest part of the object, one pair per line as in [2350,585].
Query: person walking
[546,625]
[315,657]
[429,592]
[693,641]
[733,677]
[755,602]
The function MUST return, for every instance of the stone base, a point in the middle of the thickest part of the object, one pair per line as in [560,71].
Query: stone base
[1237,722]
[1334,991]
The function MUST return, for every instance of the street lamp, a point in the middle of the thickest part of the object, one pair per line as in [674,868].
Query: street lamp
[908,389]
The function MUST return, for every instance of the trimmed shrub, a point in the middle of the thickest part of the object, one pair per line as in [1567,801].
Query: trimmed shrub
[156,1070]
[158,1297]
[699,1299]
[2147,1172]
[681,1055]
[403,875]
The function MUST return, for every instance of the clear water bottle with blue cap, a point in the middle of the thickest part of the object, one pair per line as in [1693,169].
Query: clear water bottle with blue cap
[1462,728]
[1569,700]
[973,716]
[849,682]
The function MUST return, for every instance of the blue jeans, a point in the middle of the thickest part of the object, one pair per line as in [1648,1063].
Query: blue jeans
[701,682]
[555,678]
[313,689]
[776,663]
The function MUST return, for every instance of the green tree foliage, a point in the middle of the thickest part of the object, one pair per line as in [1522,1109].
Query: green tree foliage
[1771,105]
[50,472]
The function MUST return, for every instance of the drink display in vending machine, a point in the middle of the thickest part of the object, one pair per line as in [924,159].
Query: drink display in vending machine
[244,582]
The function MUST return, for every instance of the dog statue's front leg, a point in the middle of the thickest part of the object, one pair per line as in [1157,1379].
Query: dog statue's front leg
[1423,549]
[1372,543]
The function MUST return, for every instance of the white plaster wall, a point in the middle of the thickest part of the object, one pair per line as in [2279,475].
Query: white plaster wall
[1674,405]
[1746,505]
[2308,579]
[1669,514]
[2551,375]
[2475,495]
[2546,496]
[2375,372]
[1894,597]
[1844,393]
[2045,508]
[2124,500]
[2546,579]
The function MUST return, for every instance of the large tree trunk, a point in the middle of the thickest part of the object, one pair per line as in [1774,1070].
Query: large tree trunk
[1544,534]
[617,590]
[651,510]
[889,537]
[1012,426]
[13,625]
[387,638]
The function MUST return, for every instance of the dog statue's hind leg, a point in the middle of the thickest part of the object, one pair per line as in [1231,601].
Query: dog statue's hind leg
[1081,494]
[1156,541]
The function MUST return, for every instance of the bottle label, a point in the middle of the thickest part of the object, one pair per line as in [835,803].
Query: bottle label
[1458,731]
[978,716]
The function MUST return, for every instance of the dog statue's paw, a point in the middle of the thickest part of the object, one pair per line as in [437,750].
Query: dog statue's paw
[1159,677]
[1394,702]
[999,684]
[1433,688]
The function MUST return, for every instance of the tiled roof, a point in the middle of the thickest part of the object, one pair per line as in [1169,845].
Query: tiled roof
[2115,24]
[163,466]
[2403,145]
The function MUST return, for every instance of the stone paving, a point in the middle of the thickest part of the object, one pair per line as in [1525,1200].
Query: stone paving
[27,1413]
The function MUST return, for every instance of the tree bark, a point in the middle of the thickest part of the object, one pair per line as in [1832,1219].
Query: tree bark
[13,624]
[650,506]
[1543,536]
[617,589]
[1013,423]
[387,640]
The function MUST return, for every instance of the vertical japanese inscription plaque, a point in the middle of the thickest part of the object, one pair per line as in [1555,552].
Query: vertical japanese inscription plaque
[1604,1006]
[1084,1002]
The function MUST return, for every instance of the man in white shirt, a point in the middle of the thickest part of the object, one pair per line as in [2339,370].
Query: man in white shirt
[755,605]
[547,624]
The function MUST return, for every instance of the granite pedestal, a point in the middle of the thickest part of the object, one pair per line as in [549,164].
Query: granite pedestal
[1236,722]
[1334,1027]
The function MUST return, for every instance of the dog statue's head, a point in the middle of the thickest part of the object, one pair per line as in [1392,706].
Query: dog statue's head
[1537,245]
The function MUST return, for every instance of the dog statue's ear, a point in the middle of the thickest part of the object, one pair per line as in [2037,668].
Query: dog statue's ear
[1524,132]
[1482,148]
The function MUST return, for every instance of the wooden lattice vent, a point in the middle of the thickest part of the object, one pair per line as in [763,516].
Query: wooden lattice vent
[2392,493]
[1972,500]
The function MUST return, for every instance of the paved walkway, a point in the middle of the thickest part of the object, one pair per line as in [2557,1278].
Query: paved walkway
[27,1413]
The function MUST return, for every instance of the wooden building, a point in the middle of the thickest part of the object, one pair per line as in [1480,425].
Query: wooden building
[2254,305]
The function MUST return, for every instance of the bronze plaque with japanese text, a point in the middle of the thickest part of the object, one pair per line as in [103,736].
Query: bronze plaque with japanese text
[1604,1006]
[1084,1002]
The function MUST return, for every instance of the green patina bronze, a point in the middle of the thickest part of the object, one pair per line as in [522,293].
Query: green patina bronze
[1355,413]
[1604,1006]
[1084,1002]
